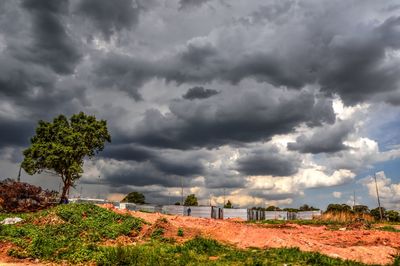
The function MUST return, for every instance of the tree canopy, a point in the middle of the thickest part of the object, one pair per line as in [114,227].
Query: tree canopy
[338,208]
[306,207]
[191,200]
[228,205]
[62,145]
[134,197]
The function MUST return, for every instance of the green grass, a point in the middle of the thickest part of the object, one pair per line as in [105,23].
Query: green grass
[73,237]
[201,251]
[388,228]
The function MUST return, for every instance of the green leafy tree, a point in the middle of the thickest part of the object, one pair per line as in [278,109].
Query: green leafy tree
[306,207]
[177,203]
[62,145]
[272,208]
[228,205]
[361,209]
[191,200]
[291,209]
[392,216]
[376,213]
[338,208]
[134,197]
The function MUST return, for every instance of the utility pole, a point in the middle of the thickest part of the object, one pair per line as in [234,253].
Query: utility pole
[377,195]
[19,174]
[224,199]
[354,199]
[182,191]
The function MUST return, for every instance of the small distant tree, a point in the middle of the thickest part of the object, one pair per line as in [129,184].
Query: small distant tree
[376,213]
[177,203]
[361,209]
[272,208]
[306,207]
[228,205]
[291,209]
[191,200]
[134,197]
[62,145]
[392,216]
[338,208]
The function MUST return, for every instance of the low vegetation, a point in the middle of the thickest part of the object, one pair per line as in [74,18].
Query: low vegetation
[202,251]
[70,232]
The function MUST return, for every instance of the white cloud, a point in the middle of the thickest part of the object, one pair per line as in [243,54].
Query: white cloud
[389,191]
[337,194]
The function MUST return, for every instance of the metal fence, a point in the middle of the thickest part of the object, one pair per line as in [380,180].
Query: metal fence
[209,211]
[308,215]
[173,209]
[235,213]
[276,215]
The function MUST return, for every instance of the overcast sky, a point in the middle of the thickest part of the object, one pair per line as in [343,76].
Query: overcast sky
[275,102]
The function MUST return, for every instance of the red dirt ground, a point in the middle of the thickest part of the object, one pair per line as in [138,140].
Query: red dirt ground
[367,246]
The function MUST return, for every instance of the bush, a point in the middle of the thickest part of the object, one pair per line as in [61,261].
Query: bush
[180,232]
[23,197]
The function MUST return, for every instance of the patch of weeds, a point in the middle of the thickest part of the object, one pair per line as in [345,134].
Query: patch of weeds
[162,220]
[180,232]
[388,228]
[158,233]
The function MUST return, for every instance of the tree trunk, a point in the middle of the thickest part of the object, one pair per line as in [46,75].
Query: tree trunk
[65,190]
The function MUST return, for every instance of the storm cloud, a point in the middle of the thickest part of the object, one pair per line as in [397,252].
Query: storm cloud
[257,97]
[268,162]
[199,93]
[327,139]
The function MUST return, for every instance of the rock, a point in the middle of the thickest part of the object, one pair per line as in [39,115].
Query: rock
[11,220]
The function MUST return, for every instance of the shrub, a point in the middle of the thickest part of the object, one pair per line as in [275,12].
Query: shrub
[180,232]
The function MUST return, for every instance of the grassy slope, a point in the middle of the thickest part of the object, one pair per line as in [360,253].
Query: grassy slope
[73,232]
[67,232]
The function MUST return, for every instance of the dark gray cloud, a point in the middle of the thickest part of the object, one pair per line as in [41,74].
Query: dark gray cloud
[187,4]
[126,152]
[277,66]
[328,139]
[142,174]
[15,132]
[110,17]
[250,117]
[354,66]
[119,72]
[51,45]
[156,162]
[199,93]
[268,162]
